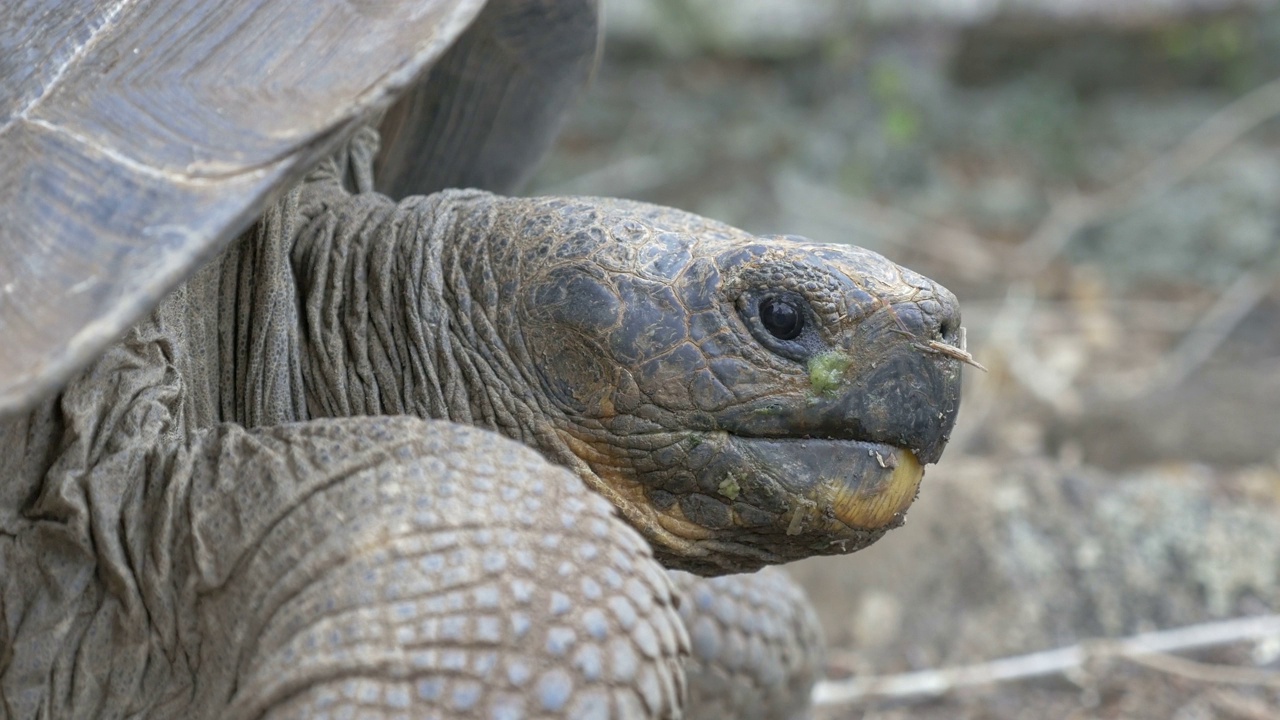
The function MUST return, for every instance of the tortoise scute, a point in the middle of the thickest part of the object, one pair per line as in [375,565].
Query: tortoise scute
[143,139]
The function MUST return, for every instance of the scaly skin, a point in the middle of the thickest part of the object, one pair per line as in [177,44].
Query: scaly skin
[623,341]
[205,524]
[756,646]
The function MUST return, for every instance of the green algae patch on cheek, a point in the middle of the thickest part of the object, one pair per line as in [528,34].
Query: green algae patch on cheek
[729,487]
[826,372]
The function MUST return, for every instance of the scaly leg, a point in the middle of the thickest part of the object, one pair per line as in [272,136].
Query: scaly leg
[757,645]
[401,568]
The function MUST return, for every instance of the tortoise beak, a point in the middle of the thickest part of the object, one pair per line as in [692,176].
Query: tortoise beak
[853,453]
[890,390]
[907,398]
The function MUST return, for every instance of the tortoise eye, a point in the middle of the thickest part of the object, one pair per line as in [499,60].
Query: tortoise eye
[781,318]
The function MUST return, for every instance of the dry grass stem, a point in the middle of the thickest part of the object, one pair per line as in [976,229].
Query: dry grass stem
[1139,648]
[951,351]
[1073,213]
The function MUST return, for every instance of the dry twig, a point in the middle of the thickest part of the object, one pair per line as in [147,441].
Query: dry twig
[1076,212]
[1232,704]
[1207,672]
[1142,647]
[1199,343]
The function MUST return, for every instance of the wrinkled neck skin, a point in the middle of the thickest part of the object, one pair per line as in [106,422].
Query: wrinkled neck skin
[403,313]
[628,343]
[419,308]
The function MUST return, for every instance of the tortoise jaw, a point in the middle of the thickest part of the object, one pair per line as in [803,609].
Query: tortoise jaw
[834,485]
[778,499]
[877,497]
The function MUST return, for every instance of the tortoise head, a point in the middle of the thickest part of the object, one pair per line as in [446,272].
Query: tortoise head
[744,400]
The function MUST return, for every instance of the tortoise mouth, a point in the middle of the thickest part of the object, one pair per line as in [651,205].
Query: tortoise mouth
[834,485]
[763,501]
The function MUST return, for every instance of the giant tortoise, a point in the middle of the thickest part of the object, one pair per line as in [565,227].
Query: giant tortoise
[276,445]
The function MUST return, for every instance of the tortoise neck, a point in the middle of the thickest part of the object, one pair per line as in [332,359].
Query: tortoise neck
[403,311]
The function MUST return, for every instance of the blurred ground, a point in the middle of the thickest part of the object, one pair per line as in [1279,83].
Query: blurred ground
[1102,190]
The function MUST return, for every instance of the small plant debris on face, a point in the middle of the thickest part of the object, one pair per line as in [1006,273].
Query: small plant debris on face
[826,372]
[729,487]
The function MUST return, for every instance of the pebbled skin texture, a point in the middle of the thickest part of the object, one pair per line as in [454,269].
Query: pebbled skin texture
[757,645]
[621,340]
[471,576]
[237,512]
[466,577]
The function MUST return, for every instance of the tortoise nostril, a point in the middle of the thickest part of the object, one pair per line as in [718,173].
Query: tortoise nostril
[948,319]
[948,327]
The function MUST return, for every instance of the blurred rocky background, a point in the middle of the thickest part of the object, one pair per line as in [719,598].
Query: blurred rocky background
[1099,182]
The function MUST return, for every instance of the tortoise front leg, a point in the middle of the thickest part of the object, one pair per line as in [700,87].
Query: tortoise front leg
[394,567]
[757,645]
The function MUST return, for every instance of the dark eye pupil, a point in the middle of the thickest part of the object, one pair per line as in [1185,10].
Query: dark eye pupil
[781,318]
